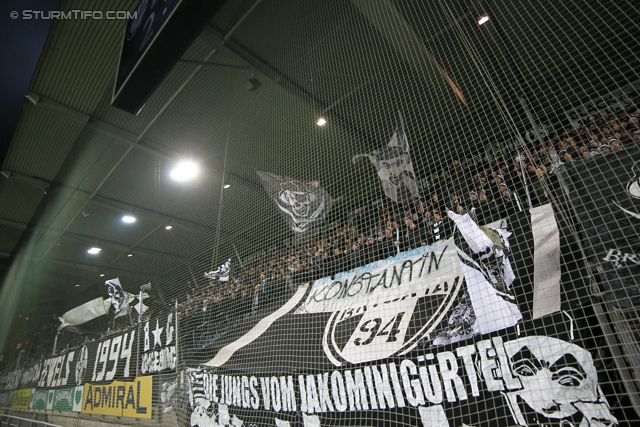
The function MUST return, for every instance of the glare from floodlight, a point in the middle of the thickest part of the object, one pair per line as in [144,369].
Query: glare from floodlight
[129,219]
[168,227]
[94,251]
[321,121]
[483,19]
[227,186]
[184,171]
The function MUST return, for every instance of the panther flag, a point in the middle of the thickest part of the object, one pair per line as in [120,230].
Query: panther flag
[394,166]
[303,204]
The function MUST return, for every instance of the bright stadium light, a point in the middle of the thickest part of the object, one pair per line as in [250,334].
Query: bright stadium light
[483,19]
[129,219]
[94,251]
[321,121]
[184,171]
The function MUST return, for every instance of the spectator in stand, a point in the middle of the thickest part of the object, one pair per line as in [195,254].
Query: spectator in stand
[605,149]
[454,202]
[584,153]
[336,263]
[487,209]
[388,246]
[355,257]
[368,251]
[473,200]
[440,227]
[359,221]
[509,205]
[436,202]
[616,145]
[412,237]
[565,156]
[300,275]
[279,292]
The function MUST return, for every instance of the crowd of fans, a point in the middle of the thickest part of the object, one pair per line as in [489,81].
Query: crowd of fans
[376,230]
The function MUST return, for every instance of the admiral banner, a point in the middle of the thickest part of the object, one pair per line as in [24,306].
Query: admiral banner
[159,345]
[130,399]
[605,193]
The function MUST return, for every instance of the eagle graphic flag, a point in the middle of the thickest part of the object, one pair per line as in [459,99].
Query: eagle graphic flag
[303,204]
[394,166]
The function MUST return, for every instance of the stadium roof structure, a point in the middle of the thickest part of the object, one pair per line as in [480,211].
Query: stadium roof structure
[246,97]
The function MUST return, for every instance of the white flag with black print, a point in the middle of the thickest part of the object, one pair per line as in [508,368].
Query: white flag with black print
[303,204]
[221,274]
[85,312]
[484,257]
[119,299]
[394,166]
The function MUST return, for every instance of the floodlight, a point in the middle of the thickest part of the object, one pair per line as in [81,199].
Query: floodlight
[184,171]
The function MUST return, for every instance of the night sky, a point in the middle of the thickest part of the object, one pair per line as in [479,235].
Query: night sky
[21,43]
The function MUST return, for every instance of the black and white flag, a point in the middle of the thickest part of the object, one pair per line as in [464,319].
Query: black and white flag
[303,204]
[119,299]
[221,274]
[484,258]
[85,312]
[394,166]
[133,301]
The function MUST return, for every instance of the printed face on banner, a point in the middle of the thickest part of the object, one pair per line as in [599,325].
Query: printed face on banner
[395,162]
[299,200]
[559,384]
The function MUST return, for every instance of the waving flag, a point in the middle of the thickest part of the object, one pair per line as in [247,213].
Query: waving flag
[221,274]
[303,204]
[394,166]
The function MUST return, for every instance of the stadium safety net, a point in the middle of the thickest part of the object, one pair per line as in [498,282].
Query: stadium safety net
[333,213]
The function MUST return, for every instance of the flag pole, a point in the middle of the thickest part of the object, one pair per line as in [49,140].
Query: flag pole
[55,343]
